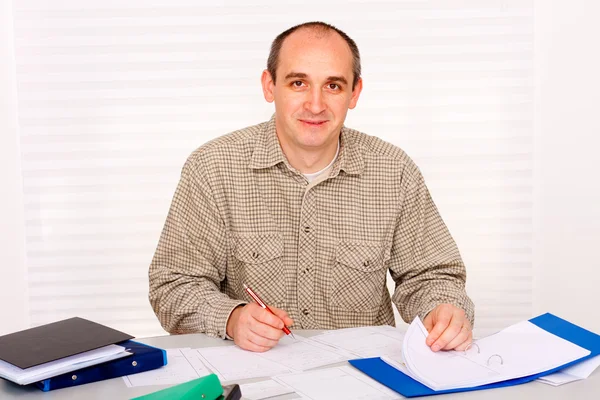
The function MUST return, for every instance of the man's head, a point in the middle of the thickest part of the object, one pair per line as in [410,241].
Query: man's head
[313,76]
[316,26]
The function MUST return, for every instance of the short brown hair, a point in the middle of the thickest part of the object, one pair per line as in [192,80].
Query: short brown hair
[323,27]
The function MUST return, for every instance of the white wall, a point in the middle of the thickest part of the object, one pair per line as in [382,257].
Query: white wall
[567,219]
[14,313]
[567,196]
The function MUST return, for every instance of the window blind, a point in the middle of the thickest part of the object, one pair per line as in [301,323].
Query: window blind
[114,95]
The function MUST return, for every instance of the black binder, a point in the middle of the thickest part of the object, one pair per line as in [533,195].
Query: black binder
[57,340]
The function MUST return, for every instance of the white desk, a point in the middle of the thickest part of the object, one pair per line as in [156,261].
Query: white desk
[114,389]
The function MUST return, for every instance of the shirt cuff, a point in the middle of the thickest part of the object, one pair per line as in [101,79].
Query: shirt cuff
[216,324]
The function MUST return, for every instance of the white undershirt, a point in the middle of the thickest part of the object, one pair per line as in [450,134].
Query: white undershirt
[315,175]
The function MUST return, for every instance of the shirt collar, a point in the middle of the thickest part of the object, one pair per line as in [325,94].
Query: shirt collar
[267,151]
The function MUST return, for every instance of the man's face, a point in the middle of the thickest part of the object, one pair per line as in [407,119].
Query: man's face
[313,91]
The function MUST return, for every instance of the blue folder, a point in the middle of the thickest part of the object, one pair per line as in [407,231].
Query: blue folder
[144,358]
[396,380]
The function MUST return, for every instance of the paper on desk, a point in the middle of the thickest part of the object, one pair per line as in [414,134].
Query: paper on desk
[264,389]
[182,365]
[230,363]
[520,350]
[367,341]
[61,366]
[302,354]
[336,383]
[581,370]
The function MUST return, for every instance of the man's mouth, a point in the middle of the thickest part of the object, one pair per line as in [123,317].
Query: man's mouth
[313,122]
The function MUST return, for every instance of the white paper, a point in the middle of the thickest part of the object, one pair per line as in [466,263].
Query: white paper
[336,383]
[61,366]
[303,354]
[264,390]
[581,370]
[365,342]
[230,363]
[182,365]
[520,350]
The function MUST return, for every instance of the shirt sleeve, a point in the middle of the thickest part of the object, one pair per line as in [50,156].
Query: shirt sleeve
[425,262]
[190,262]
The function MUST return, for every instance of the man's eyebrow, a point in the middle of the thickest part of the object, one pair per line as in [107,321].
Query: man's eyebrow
[337,79]
[302,75]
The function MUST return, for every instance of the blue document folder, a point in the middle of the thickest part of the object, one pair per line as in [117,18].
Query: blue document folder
[144,358]
[389,376]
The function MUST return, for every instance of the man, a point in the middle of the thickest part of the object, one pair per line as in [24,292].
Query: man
[308,213]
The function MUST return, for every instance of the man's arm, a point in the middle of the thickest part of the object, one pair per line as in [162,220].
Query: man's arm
[190,262]
[425,263]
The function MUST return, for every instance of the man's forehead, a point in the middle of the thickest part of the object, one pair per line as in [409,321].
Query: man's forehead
[315,52]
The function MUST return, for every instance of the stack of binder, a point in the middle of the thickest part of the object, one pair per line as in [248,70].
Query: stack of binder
[73,352]
[519,354]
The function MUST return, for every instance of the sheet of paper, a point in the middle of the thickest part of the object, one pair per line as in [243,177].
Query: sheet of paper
[264,390]
[336,383]
[303,354]
[365,342]
[64,365]
[192,357]
[439,370]
[183,365]
[231,363]
[576,372]
[520,350]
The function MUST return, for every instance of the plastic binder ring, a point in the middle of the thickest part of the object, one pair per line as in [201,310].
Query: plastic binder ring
[470,345]
[495,355]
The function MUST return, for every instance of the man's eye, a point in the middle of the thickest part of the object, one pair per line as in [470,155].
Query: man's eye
[297,83]
[334,86]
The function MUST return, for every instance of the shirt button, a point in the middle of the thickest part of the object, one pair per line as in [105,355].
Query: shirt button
[307,229]
[306,311]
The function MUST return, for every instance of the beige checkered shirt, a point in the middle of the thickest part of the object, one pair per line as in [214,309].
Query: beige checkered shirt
[242,214]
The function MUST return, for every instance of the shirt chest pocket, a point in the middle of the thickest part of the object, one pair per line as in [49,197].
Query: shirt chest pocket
[258,264]
[359,276]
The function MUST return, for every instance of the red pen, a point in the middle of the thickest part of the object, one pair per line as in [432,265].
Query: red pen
[263,305]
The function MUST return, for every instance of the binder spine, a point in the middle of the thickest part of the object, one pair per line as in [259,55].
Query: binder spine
[144,358]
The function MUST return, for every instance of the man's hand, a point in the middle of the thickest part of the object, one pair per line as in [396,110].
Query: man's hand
[254,328]
[448,328]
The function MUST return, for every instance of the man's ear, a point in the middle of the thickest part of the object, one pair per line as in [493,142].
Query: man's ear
[356,93]
[268,86]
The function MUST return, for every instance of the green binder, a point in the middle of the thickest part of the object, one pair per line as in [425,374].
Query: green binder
[205,388]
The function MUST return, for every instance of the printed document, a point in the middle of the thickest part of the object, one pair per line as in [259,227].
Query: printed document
[183,365]
[520,350]
[336,383]
[365,342]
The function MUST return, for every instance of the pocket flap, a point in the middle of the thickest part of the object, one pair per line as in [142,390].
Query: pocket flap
[364,256]
[258,249]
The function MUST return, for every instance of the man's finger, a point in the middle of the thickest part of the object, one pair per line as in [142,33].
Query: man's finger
[452,330]
[283,315]
[441,323]
[461,338]
[260,341]
[428,322]
[266,317]
[264,330]
[250,346]
[464,344]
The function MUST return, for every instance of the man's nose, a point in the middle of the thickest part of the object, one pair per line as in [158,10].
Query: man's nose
[315,102]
